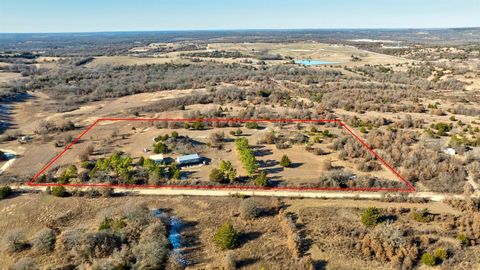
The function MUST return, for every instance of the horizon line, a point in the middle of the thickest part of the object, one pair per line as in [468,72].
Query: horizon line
[247,29]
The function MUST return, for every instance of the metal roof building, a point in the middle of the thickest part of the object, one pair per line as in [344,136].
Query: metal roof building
[157,158]
[188,159]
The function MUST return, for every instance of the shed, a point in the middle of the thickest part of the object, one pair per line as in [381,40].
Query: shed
[157,158]
[188,159]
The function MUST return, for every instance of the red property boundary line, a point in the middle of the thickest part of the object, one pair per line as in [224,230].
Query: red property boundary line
[343,125]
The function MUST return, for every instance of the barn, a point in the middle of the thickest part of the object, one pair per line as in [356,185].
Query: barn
[188,159]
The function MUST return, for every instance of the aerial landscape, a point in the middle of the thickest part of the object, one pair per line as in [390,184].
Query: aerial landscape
[166,139]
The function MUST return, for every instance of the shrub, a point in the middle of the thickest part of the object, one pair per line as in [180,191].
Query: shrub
[113,224]
[440,254]
[5,192]
[226,237]
[59,191]
[198,125]
[25,264]
[217,138]
[106,192]
[251,125]
[371,216]
[422,215]
[463,239]
[44,241]
[140,161]
[250,208]
[14,241]
[229,262]
[70,172]
[261,180]
[174,134]
[428,259]
[236,132]
[285,161]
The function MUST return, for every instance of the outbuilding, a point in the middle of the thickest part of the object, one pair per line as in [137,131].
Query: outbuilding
[188,159]
[157,158]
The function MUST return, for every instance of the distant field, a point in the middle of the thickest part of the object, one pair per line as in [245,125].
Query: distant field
[8,76]
[130,60]
[312,50]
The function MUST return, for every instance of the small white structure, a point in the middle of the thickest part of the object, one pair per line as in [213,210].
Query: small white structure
[25,139]
[157,158]
[449,151]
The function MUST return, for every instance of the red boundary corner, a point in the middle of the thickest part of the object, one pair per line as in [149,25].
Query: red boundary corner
[343,125]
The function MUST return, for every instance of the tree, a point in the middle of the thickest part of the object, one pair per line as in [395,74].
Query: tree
[160,148]
[224,174]
[3,156]
[428,259]
[5,192]
[174,172]
[285,161]
[371,216]
[261,180]
[216,175]
[229,173]
[246,155]
[226,237]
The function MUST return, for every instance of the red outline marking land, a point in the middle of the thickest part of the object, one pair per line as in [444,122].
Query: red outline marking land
[343,125]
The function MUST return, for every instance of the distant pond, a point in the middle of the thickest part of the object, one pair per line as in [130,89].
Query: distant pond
[314,62]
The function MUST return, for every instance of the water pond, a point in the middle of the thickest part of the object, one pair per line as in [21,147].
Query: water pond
[314,62]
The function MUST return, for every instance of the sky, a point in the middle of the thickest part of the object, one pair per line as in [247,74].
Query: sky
[33,16]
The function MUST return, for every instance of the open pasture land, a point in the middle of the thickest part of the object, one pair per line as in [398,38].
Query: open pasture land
[340,54]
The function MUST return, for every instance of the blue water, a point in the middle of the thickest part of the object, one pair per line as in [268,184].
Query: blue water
[313,62]
[9,155]
[174,236]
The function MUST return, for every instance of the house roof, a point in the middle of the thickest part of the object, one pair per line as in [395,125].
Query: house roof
[156,157]
[188,157]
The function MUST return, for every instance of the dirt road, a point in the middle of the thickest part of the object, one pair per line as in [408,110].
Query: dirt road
[270,193]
